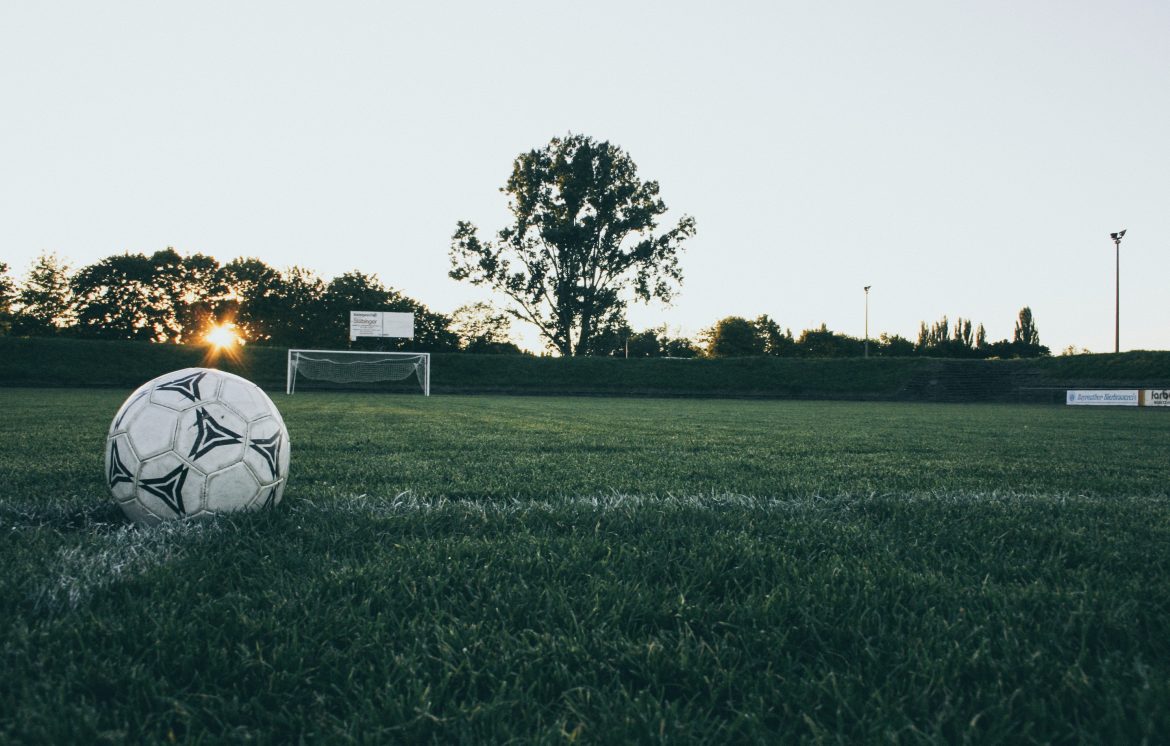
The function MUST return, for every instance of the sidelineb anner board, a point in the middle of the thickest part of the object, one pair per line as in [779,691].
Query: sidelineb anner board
[380,324]
[1119,397]
[1103,397]
[1156,397]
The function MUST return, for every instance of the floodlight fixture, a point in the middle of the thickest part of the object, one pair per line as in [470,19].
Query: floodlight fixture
[1117,293]
[867,287]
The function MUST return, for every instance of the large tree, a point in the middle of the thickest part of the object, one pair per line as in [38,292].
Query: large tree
[116,298]
[193,293]
[1025,332]
[583,243]
[44,300]
[294,309]
[776,341]
[251,297]
[1026,337]
[164,297]
[733,336]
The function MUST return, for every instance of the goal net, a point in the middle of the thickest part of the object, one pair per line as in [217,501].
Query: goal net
[350,367]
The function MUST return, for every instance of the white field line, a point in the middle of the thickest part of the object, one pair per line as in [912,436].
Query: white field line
[75,573]
[409,502]
[114,553]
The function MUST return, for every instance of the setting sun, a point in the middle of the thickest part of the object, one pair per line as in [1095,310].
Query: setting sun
[223,336]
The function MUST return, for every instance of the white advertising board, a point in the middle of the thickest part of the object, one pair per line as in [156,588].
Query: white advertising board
[1156,397]
[1104,397]
[380,324]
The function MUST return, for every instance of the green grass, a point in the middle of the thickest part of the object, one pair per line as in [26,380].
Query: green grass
[602,570]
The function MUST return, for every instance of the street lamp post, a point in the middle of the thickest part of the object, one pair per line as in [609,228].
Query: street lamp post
[867,287]
[1117,296]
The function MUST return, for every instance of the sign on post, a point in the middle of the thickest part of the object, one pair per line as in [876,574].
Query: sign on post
[380,324]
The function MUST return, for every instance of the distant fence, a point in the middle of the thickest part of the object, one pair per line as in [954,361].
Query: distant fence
[118,364]
[1041,394]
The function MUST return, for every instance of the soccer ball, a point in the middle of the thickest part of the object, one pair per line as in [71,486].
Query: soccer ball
[196,442]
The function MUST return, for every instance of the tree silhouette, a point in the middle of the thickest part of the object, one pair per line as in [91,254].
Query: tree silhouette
[252,288]
[44,300]
[482,328]
[1026,337]
[115,299]
[733,336]
[582,242]
[1026,332]
[775,340]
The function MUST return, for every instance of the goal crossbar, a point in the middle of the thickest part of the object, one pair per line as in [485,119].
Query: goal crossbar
[358,366]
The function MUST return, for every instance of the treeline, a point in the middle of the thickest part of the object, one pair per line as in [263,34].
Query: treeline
[167,297]
[735,336]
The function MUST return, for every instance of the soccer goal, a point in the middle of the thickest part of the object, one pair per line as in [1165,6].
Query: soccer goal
[347,366]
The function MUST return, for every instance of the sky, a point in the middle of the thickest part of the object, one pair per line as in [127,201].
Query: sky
[961,158]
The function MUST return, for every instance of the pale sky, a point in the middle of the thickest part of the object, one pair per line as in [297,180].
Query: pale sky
[963,158]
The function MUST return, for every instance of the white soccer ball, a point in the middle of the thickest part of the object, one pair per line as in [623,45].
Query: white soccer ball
[196,442]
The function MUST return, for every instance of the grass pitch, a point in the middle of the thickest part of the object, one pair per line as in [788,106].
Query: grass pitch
[602,570]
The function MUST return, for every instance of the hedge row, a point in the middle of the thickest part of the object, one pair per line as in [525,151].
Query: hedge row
[75,362]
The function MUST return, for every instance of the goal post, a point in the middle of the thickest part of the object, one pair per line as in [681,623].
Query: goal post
[356,366]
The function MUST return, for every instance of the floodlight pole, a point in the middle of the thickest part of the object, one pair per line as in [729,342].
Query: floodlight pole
[1117,291]
[867,287]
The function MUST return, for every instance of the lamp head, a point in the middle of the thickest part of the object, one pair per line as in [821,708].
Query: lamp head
[867,287]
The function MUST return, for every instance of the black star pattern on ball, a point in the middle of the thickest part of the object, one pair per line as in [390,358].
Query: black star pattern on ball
[211,435]
[118,470]
[270,498]
[168,488]
[188,385]
[269,448]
